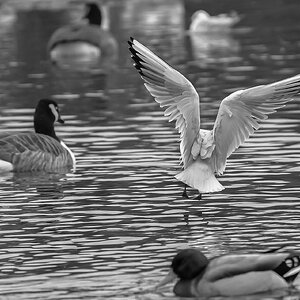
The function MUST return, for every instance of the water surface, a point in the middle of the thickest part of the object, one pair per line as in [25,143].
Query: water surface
[110,229]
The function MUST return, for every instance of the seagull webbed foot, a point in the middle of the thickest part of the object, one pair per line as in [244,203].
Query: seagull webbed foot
[199,197]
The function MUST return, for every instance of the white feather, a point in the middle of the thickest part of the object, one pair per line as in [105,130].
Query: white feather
[240,112]
[173,91]
[70,152]
[5,166]
[239,115]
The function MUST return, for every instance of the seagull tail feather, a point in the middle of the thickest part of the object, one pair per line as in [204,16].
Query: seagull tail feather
[199,175]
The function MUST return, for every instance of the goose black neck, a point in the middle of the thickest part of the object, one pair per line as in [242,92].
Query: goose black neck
[43,127]
[94,15]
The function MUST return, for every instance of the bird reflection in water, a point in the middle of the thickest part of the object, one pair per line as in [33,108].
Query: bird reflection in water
[40,185]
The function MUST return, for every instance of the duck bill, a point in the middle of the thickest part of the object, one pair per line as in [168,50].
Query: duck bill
[292,272]
[171,276]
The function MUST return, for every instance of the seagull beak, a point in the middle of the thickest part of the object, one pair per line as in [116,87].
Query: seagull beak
[171,276]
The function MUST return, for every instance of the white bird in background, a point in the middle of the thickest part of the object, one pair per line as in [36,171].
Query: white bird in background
[204,152]
[201,21]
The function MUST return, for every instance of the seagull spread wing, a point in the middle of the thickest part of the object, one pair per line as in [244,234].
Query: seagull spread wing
[173,92]
[240,113]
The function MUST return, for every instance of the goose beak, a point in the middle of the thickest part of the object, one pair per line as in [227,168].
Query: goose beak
[171,276]
[60,120]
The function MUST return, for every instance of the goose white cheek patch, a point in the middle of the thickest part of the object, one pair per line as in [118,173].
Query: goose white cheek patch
[54,111]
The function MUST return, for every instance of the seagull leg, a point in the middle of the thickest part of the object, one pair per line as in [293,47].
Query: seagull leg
[184,194]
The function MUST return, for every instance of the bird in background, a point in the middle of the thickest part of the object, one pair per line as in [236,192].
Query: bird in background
[201,21]
[85,44]
[231,274]
[41,150]
[204,153]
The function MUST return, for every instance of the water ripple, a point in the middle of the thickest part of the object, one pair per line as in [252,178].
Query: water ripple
[110,229]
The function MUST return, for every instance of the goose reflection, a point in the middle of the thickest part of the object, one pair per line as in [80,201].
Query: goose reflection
[37,185]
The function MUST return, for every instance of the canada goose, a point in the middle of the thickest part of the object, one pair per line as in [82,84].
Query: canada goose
[83,45]
[204,152]
[202,21]
[39,151]
[231,274]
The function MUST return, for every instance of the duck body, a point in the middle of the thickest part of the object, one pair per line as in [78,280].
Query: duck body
[232,275]
[204,153]
[201,21]
[243,284]
[39,151]
[83,44]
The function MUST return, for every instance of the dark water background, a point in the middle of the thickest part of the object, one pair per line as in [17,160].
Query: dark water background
[109,230]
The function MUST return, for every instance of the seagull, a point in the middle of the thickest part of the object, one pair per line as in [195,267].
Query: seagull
[204,152]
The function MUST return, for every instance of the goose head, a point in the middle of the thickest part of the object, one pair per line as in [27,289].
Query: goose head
[46,114]
[93,14]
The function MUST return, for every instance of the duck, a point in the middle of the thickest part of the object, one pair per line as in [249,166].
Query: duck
[201,21]
[204,152]
[41,150]
[83,44]
[231,274]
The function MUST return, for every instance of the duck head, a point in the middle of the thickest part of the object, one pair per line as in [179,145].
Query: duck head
[93,14]
[186,265]
[46,114]
[189,263]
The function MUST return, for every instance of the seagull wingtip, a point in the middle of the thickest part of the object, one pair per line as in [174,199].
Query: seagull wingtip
[130,41]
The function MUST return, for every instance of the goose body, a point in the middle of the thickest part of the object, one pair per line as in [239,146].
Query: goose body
[39,151]
[201,21]
[204,152]
[83,44]
[232,274]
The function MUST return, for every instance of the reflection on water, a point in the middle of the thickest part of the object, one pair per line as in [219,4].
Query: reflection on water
[213,46]
[110,229]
